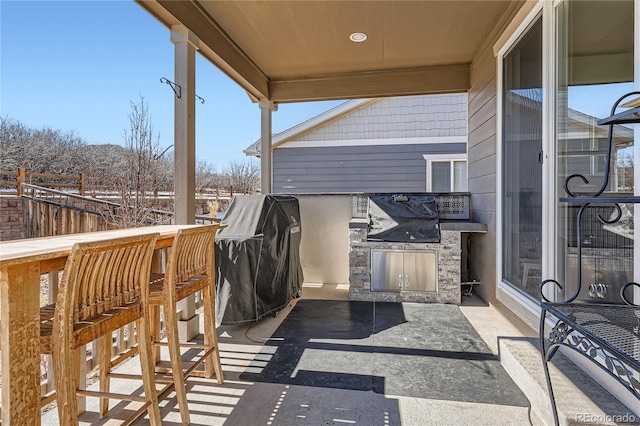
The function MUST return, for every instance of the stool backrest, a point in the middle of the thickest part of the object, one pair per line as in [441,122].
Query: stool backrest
[191,254]
[103,275]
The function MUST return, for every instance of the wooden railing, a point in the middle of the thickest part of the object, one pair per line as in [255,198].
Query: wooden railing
[17,178]
[48,212]
[84,185]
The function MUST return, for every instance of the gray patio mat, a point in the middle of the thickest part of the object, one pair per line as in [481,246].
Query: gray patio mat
[403,349]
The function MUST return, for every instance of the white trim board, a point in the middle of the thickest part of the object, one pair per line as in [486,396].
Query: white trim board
[369,142]
[445,157]
[522,299]
[518,26]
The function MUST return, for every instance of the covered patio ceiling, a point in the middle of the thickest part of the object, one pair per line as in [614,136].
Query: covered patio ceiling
[293,51]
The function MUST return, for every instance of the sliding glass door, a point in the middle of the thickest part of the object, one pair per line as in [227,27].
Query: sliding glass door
[522,162]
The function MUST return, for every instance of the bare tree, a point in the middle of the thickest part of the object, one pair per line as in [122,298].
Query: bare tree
[244,176]
[206,175]
[40,151]
[15,138]
[625,171]
[164,173]
[138,178]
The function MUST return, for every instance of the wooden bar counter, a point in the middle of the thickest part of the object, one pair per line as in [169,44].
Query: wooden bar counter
[21,264]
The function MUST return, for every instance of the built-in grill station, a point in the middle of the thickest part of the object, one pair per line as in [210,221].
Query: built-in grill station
[409,247]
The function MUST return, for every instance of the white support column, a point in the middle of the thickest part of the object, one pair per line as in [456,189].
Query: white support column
[186,44]
[266,107]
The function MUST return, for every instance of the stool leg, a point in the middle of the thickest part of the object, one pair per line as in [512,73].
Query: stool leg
[154,324]
[173,340]
[147,366]
[81,365]
[212,363]
[104,352]
[65,377]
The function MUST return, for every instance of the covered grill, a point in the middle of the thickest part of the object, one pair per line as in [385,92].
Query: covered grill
[403,218]
[257,257]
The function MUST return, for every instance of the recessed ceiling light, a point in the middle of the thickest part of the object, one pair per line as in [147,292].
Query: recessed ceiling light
[358,37]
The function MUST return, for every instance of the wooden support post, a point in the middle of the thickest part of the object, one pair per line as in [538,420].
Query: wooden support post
[20,179]
[83,184]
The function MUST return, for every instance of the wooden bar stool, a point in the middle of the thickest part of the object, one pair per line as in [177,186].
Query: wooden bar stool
[104,286]
[190,268]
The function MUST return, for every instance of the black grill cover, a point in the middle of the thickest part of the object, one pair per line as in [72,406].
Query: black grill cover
[257,257]
[403,218]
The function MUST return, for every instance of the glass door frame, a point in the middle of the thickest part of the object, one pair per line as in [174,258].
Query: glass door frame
[636,157]
[543,10]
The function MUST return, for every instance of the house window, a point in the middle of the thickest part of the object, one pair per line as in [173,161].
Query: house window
[446,173]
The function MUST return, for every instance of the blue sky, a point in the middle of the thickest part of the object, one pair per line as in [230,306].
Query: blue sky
[77,65]
[597,100]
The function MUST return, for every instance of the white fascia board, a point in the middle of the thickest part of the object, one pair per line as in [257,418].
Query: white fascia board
[370,142]
[517,26]
[251,152]
[309,124]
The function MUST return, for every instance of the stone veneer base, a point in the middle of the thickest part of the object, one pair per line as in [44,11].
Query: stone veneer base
[449,257]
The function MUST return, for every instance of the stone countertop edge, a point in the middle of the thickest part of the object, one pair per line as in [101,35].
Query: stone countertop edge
[444,226]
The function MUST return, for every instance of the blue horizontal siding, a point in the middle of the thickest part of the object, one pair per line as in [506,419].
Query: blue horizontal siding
[377,168]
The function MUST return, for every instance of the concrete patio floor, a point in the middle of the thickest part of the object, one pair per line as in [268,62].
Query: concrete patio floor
[245,349]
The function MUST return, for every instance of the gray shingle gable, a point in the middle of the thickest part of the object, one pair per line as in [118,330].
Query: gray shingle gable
[406,117]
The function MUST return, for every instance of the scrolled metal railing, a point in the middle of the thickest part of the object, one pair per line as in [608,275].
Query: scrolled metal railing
[607,334]
[587,200]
